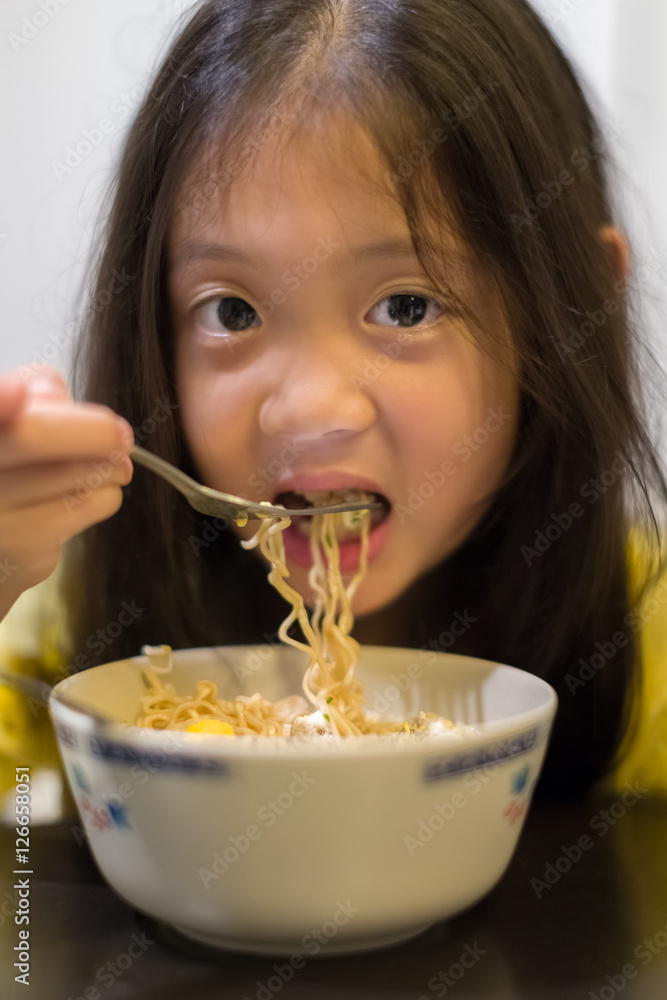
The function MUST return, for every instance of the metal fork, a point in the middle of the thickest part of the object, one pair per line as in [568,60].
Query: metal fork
[212,502]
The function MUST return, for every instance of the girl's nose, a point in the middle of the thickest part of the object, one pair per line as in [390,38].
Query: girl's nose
[317,390]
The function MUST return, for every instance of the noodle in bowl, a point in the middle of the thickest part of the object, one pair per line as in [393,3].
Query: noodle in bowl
[288,846]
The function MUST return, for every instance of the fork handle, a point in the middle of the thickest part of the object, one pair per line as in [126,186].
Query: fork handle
[149,460]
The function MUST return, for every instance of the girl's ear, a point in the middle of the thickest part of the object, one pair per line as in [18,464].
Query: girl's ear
[616,244]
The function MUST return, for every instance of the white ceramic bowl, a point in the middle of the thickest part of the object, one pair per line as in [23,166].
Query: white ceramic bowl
[289,847]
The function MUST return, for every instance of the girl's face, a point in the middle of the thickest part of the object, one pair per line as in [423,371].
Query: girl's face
[312,354]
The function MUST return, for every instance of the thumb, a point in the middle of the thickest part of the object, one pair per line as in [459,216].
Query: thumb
[12,396]
[47,384]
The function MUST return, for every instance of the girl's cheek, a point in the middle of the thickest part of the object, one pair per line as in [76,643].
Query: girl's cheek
[207,395]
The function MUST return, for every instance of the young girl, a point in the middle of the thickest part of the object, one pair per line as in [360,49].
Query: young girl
[365,244]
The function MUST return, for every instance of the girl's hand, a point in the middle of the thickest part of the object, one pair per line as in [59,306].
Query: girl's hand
[62,465]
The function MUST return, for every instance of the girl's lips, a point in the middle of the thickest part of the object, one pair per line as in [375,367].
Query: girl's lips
[297,547]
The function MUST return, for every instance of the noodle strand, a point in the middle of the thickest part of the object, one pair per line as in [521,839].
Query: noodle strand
[329,684]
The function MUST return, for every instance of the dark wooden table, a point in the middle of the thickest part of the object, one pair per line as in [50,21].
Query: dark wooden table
[581,913]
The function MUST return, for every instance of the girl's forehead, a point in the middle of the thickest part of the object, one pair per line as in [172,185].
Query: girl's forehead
[332,171]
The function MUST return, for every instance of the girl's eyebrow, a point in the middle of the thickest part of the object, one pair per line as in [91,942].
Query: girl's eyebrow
[195,250]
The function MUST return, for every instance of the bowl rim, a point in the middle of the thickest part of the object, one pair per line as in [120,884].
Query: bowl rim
[63,708]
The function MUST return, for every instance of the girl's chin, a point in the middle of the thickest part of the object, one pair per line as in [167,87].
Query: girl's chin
[378,589]
[375,590]
[367,599]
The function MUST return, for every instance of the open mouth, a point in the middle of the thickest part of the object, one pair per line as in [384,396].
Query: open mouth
[349,524]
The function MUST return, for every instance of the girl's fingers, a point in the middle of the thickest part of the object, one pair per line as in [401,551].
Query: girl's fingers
[12,396]
[33,485]
[53,431]
[62,465]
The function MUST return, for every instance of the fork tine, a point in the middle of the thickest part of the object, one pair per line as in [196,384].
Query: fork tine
[214,507]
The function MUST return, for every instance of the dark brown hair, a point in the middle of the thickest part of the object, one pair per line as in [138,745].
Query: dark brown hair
[470,103]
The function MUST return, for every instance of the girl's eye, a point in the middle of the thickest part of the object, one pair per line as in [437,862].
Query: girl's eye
[405,309]
[228,315]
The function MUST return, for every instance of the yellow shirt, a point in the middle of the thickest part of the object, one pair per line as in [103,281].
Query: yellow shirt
[29,644]
[644,755]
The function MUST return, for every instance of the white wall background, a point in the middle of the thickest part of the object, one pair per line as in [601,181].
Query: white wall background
[87,62]
[68,65]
